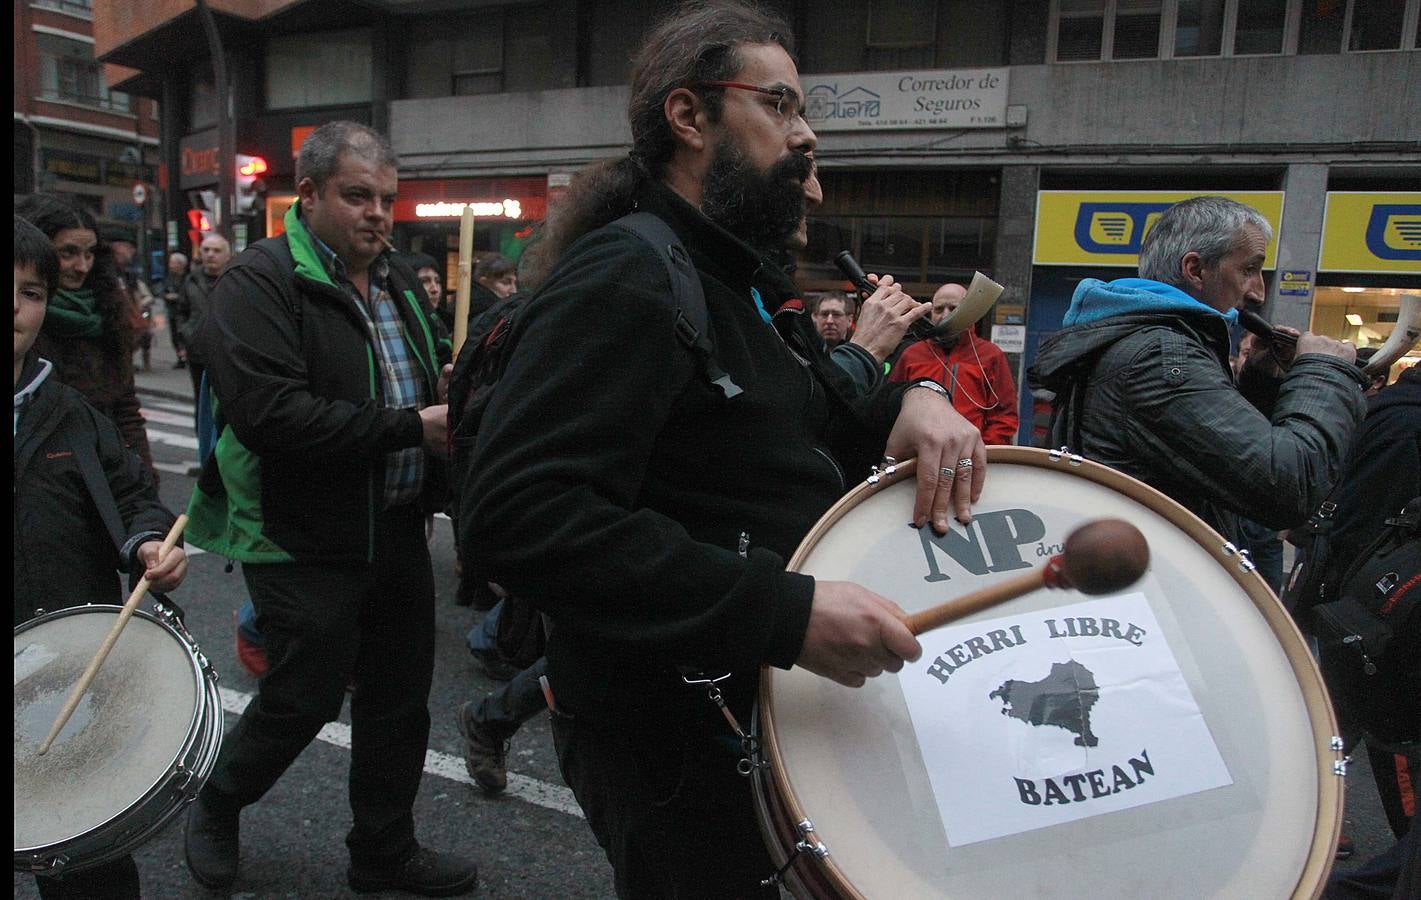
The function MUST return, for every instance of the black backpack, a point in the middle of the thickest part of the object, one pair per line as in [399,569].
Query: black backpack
[1370,634]
[484,356]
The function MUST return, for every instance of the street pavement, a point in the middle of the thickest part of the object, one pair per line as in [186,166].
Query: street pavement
[530,843]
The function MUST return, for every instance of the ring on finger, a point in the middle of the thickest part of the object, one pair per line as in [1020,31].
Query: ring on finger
[945,472]
[965,463]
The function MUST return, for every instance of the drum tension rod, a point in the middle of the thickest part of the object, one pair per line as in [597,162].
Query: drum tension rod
[807,843]
[748,745]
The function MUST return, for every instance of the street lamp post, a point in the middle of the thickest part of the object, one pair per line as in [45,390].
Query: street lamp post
[226,136]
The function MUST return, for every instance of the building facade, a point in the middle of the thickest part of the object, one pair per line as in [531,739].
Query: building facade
[73,133]
[1030,140]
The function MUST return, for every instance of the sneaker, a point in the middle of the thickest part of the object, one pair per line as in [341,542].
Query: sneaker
[425,872]
[493,664]
[1345,848]
[251,656]
[485,754]
[211,845]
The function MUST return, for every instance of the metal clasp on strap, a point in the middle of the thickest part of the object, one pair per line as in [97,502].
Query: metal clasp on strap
[1065,453]
[749,745]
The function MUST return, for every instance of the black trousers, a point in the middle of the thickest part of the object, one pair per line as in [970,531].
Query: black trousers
[327,627]
[114,880]
[676,821]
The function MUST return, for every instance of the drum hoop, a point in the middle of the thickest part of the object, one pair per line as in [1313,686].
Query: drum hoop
[207,709]
[1326,745]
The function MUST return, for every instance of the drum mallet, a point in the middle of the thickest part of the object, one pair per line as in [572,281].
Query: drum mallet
[1099,557]
[139,591]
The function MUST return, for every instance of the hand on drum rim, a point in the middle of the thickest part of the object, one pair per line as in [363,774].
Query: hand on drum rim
[929,428]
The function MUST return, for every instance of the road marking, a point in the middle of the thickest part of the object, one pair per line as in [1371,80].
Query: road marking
[521,787]
[157,436]
[169,405]
[166,417]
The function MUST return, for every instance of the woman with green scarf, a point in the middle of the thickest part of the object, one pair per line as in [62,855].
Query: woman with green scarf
[87,334]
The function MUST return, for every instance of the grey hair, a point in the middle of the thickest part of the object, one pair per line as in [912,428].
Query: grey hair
[1209,226]
[320,154]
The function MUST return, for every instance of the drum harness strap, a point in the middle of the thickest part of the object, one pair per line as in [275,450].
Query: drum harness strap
[751,759]
[107,506]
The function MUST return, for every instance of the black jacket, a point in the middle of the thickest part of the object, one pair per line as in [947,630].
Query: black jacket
[1160,404]
[63,554]
[300,460]
[1384,470]
[612,483]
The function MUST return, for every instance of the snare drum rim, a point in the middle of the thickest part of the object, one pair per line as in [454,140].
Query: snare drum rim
[1320,715]
[192,763]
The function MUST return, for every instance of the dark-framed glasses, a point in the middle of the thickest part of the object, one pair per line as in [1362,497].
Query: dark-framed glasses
[787,102]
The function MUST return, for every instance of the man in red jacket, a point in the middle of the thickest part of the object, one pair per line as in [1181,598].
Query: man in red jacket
[973,370]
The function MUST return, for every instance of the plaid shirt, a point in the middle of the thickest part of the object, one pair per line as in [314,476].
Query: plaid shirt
[403,388]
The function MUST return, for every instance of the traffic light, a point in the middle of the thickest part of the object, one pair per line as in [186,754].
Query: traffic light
[198,224]
[250,185]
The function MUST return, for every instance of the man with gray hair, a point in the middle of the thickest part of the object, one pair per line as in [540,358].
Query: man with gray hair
[324,367]
[1142,379]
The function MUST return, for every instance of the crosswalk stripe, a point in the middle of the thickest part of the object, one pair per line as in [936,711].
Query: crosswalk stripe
[166,417]
[444,765]
[169,405]
[158,436]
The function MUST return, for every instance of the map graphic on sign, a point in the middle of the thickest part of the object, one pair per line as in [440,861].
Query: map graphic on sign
[1054,716]
[1063,699]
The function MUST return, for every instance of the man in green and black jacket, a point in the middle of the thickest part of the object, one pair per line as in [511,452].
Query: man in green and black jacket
[325,374]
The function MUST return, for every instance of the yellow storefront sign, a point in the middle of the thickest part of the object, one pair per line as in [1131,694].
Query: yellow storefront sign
[1364,232]
[1105,228]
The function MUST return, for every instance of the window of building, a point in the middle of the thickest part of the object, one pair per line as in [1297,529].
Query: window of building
[332,68]
[1382,25]
[81,9]
[69,73]
[888,35]
[1095,30]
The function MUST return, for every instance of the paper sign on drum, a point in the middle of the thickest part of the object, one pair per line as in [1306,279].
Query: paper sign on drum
[1052,716]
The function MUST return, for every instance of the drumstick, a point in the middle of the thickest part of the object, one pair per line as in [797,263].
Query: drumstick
[1099,557]
[466,277]
[82,685]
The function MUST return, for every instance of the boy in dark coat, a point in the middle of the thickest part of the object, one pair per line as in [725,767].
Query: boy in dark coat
[63,552]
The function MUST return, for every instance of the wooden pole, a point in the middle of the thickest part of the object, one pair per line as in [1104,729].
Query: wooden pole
[466,278]
[82,685]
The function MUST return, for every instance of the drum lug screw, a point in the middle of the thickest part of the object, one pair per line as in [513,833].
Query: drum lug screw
[1339,768]
[1336,743]
[1065,453]
[810,844]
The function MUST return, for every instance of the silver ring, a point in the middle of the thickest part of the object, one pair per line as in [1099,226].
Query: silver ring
[945,471]
[965,463]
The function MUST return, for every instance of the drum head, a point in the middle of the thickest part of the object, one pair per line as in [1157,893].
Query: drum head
[123,739]
[1172,740]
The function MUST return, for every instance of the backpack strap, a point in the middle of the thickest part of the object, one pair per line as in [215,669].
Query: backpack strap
[102,496]
[692,317]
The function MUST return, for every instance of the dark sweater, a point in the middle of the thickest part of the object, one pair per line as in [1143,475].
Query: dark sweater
[613,482]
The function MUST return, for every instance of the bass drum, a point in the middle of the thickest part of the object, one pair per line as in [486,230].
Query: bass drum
[1172,740]
[140,745]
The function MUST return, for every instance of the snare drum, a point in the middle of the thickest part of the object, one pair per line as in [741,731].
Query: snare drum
[140,745]
[1173,740]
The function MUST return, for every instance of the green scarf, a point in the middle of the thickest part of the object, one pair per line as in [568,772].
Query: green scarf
[74,314]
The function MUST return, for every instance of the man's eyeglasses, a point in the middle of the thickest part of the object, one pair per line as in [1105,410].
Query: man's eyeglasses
[787,102]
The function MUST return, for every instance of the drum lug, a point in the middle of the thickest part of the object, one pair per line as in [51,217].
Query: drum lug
[808,842]
[1339,768]
[1244,563]
[1336,743]
[1065,453]
[885,469]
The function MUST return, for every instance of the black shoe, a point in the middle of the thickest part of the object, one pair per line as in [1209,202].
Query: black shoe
[180,364]
[211,845]
[485,753]
[493,664]
[425,872]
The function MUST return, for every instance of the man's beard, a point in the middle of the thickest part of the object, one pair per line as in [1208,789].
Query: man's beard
[763,209]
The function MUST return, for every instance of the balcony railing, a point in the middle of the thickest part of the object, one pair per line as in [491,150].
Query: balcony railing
[118,104]
[83,9]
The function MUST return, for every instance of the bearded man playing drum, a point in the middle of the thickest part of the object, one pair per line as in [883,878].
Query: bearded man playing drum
[648,509]
[1142,379]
